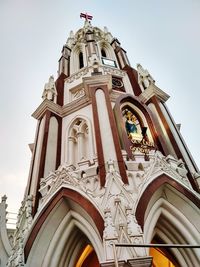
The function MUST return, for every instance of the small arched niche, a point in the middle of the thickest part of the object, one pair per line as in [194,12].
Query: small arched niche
[135,126]
[79,142]
[133,123]
[77,60]
[81,61]
[103,52]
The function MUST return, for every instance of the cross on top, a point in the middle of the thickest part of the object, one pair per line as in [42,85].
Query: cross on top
[86,16]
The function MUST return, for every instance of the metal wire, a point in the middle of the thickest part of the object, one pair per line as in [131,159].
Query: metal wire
[115,245]
[157,245]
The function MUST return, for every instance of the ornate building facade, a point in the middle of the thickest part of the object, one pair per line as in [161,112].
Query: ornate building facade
[109,167]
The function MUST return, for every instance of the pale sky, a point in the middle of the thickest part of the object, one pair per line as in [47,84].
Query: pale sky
[164,36]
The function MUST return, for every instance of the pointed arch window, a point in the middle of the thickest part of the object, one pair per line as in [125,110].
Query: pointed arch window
[103,52]
[81,62]
[78,142]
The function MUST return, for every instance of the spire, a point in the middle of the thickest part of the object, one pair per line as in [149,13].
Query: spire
[88,18]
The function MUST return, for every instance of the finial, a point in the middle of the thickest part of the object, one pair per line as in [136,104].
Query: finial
[105,29]
[144,77]
[3,199]
[71,34]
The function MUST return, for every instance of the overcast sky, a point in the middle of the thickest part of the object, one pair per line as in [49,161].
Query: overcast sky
[164,36]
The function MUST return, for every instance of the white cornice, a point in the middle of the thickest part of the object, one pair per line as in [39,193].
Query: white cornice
[57,109]
[99,80]
[115,94]
[75,105]
[151,91]
[47,105]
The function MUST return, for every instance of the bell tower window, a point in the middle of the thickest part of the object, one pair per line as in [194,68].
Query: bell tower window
[81,64]
[103,52]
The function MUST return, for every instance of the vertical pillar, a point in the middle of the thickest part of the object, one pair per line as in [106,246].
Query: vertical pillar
[107,139]
[71,141]
[80,141]
[105,127]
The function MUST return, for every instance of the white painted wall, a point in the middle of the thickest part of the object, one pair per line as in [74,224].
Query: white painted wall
[105,128]
[50,160]
[180,142]
[37,156]
[161,129]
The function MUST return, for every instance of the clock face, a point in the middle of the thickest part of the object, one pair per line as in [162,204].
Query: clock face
[117,83]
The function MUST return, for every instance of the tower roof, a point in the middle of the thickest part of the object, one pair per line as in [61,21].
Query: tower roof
[86,32]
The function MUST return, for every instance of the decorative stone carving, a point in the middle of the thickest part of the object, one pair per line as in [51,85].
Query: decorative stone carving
[81,35]
[87,26]
[144,77]
[169,165]
[181,170]
[29,218]
[111,166]
[79,93]
[70,40]
[115,201]
[197,178]
[5,244]
[109,230]
[50,91]
[24,223]
[113,71]
[78,75]
[110,234]
[133,229]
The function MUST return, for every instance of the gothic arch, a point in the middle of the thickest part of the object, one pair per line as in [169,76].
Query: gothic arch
[153,187]
[105,46]
[67,217]
[171,226]
[79,140]
[72,235]
[144,116]
[164,211]
[75,58]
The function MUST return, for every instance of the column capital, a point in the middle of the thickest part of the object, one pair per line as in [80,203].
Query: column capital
[72,138]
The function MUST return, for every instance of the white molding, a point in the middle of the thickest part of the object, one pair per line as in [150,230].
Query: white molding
[151,91]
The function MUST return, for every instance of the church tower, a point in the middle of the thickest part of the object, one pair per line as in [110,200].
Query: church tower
[109,167]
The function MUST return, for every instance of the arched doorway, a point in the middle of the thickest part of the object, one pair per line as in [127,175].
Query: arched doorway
[162,257]
[87,258]
[66,232]
[169,223]
[169,219]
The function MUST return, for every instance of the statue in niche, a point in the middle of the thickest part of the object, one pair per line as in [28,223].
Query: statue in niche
[144,77]
[131,125]
[50,91]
